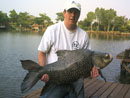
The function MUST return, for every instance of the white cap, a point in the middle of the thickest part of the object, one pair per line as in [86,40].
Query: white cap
[73,4]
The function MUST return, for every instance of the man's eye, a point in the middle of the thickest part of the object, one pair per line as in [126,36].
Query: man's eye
[70,11]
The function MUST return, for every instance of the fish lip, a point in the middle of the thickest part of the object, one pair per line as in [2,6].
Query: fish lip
[111,57]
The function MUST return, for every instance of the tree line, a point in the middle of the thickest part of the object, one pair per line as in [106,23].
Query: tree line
[100,20]
[23,20]
[105,20]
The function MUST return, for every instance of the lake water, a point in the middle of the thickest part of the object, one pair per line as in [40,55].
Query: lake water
[20,46]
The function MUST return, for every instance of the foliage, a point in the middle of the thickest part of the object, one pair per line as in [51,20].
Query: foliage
[100,20]
[13,16]
[45,20]
[105,20]
[3,19]
[60,17]
[90,18]
[24,20]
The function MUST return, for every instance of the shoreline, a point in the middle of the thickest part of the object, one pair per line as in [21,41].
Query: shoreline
[110,32]
[89,32]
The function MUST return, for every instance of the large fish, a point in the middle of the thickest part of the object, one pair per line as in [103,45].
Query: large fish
[71,65]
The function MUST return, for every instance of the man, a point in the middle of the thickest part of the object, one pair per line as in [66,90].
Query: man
[64,35]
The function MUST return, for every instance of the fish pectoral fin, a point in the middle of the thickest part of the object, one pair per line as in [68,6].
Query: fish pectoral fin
[100,72]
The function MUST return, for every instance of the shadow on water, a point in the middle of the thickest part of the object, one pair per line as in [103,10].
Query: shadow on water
[109,36]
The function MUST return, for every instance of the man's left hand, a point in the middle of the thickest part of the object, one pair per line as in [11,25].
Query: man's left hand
[94,72]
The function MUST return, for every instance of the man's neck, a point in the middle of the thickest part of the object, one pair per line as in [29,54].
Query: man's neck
[70,27]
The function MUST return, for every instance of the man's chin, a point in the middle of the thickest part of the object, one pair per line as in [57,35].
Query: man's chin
[72,23]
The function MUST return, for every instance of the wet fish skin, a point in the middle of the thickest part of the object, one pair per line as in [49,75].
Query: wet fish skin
[71,65]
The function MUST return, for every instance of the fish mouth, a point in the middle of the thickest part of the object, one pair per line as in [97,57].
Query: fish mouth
[107,61]
[111,57]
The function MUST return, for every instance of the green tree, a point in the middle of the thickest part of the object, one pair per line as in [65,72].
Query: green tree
[119,23]
[129,22]
[98,17]
[84,24]
[123,28]
[13,19]
[91,19]
[37,20]
[128,28]
[43,20]
[109,16]
[24,19]
[4,20]
[13,16]
[116,23]
[60,17]
[46,21]
[105,18]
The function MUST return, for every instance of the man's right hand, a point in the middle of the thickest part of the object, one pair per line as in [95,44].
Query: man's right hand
[45,78]
[94,72]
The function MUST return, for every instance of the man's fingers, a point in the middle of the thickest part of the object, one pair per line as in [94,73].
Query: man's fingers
[45,78]
[95,68]
[94,72]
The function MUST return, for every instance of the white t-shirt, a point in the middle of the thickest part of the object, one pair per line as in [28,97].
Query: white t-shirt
[58,37]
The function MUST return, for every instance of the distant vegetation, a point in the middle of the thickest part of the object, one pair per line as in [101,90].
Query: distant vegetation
[100,20]
[105,20]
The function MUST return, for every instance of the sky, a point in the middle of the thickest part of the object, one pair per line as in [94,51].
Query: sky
[51,7]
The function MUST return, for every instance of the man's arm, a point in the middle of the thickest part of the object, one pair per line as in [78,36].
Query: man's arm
[41,58]
[42,62]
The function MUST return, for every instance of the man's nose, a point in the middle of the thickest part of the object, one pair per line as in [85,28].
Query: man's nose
[73,13]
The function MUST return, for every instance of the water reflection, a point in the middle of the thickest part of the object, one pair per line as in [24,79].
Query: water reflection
[109,36]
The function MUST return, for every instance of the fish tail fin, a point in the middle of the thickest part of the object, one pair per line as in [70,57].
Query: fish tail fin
[32,76]
[29,81]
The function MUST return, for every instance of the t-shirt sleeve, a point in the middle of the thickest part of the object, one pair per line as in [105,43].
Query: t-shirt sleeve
[46,41]
[87,42]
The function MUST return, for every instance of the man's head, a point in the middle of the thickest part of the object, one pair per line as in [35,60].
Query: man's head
[71,13]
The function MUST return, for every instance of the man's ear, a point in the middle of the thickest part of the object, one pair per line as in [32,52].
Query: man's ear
[64,13]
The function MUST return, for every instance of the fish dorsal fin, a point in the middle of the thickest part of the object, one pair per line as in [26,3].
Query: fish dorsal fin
[62,53]
[30,65]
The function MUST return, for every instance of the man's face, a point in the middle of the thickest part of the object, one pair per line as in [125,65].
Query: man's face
[71,16]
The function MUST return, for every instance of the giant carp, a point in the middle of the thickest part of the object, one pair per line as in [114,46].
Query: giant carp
[70,66]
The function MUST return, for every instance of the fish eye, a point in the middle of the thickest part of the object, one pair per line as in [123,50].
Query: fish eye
[106,55]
